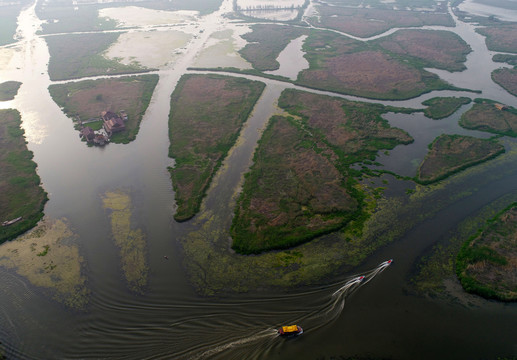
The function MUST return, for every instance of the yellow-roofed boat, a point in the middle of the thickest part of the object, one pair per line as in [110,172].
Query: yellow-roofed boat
[290,330]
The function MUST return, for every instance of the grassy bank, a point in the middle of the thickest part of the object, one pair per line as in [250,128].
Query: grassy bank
[22,195]
[87,99]
[207,113]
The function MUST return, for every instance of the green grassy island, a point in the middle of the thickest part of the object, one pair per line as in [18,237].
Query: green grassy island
[442,107]
[487,115]
[22,194]
[207,113]
[86,100]
[449,154]
[9,89]
[301,184]
[487,263]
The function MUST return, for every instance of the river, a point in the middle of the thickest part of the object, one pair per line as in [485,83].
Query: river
[170,320]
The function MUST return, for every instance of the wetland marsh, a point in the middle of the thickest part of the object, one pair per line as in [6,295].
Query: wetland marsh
[110,272]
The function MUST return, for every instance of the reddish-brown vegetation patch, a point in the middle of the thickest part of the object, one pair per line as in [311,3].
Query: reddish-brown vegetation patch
[507,78]
[365,72]
[451,153]
[486,116]
[292,193]
[365,22]
[439,49]
[301,184]
[487,263]
[355,128]
[207,112]
[501,38]
[348,66]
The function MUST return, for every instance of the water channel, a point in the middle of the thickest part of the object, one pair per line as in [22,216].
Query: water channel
[170,320]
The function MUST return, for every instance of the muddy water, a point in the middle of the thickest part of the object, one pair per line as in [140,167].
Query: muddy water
[169,320]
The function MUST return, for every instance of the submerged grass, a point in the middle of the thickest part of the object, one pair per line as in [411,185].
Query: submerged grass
[131,242]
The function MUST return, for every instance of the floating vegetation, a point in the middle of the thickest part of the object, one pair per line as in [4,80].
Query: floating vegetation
[131,242]
[48,258]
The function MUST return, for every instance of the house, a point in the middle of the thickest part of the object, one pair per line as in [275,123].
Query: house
[113,123]
[501,107]
[87,134]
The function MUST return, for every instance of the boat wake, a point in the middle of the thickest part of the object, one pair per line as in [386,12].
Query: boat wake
[320,315]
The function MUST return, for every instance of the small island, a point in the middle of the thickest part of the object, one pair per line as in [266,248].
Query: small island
[442,107]
[23,198]
[490,116]
[207,113]
[115,106]
[507,78]
[449,154]
[302,184]
[9,89]
[487,263]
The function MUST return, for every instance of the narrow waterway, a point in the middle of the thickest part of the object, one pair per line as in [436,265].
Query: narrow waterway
[169,320]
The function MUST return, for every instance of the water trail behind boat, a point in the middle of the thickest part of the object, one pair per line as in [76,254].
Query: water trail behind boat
[320,316]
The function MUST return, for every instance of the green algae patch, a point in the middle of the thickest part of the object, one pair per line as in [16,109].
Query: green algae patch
[22,198]
[207,114]
[449,154]
[131,242]
[48,257]
[487,263]
[487,115]
[214,269]
[442,107]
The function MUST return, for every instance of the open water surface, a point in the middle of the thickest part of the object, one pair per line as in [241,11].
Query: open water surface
[170,321]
